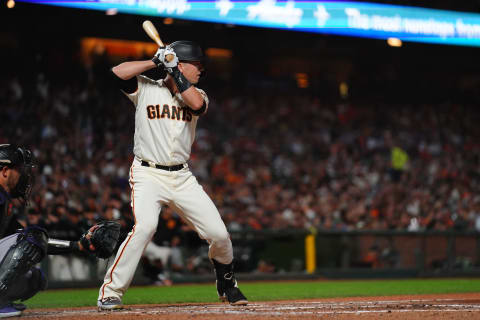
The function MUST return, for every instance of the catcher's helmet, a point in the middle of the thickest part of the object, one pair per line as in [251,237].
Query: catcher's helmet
[187,50]
[13,156]
[21,159]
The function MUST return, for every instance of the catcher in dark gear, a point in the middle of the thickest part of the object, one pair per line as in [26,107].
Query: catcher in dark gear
[21,249]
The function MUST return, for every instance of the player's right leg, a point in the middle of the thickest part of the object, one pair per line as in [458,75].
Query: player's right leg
[146,205]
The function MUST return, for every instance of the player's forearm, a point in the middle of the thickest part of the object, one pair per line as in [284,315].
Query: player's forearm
[130,69]
[56,246]
[193,98]
[190,95]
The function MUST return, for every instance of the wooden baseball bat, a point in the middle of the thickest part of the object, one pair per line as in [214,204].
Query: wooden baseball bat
[153,34]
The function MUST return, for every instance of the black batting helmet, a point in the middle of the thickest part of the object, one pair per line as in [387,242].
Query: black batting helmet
[187,50]
[21,159]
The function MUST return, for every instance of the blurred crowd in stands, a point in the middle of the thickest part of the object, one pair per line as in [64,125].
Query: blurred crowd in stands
[269,159]
[292,162]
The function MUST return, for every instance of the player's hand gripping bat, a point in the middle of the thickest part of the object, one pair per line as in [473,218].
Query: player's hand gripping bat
[153,34]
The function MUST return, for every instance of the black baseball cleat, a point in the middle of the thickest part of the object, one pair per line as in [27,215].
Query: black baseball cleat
[233,295]
[227,288]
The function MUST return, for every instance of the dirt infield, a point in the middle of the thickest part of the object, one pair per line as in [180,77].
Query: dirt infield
[425,307]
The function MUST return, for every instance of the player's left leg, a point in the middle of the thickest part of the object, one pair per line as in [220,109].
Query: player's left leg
[196,207]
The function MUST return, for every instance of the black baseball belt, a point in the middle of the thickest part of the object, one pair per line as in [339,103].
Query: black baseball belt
[159,166]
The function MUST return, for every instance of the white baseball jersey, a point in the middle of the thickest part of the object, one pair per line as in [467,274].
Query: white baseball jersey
[164,125]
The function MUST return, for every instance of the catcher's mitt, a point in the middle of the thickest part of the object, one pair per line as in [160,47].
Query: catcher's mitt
[101,239]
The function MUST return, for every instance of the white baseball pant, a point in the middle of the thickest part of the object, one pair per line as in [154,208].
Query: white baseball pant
[151,189]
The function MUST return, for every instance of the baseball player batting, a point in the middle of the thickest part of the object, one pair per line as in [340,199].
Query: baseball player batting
[166,116]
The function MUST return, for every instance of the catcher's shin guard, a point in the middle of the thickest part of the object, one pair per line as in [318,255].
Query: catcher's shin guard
[27,286]
[36,282]
[227,288]
[30,249]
